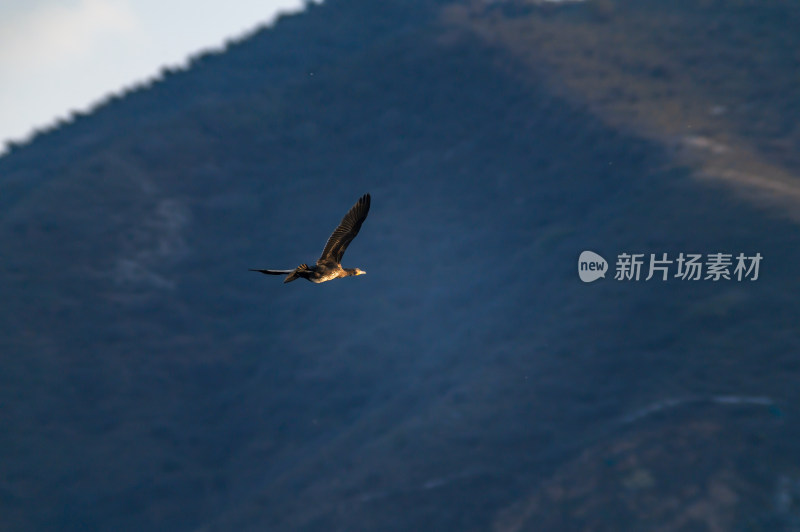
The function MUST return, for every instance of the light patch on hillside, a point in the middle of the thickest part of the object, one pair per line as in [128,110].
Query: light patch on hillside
[159,240]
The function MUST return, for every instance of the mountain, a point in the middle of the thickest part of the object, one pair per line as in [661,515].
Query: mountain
[470,381]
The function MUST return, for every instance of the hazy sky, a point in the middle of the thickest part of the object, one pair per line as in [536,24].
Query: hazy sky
[62,55]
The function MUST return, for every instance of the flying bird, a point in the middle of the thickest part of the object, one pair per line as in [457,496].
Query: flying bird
[328,266]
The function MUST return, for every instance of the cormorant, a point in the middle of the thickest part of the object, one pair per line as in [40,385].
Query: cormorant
[328,266]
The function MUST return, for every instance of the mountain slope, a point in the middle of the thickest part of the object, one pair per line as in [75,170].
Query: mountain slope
[711,80]
[468,382]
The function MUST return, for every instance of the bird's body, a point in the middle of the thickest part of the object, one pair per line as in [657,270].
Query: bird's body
[328,266]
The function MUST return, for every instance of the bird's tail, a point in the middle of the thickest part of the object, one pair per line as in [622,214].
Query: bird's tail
[291,275]
[272,272]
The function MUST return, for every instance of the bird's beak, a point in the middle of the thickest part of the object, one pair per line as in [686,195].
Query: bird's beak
[361,272]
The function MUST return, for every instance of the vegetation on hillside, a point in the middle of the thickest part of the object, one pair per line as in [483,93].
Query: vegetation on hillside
[713,80]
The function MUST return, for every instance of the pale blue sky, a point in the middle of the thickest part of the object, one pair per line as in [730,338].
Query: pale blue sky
[62,55]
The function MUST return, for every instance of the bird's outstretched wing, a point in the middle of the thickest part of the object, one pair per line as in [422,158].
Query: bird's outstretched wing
[347,231]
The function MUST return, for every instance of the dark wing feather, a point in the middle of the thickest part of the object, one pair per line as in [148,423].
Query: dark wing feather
[347,231]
